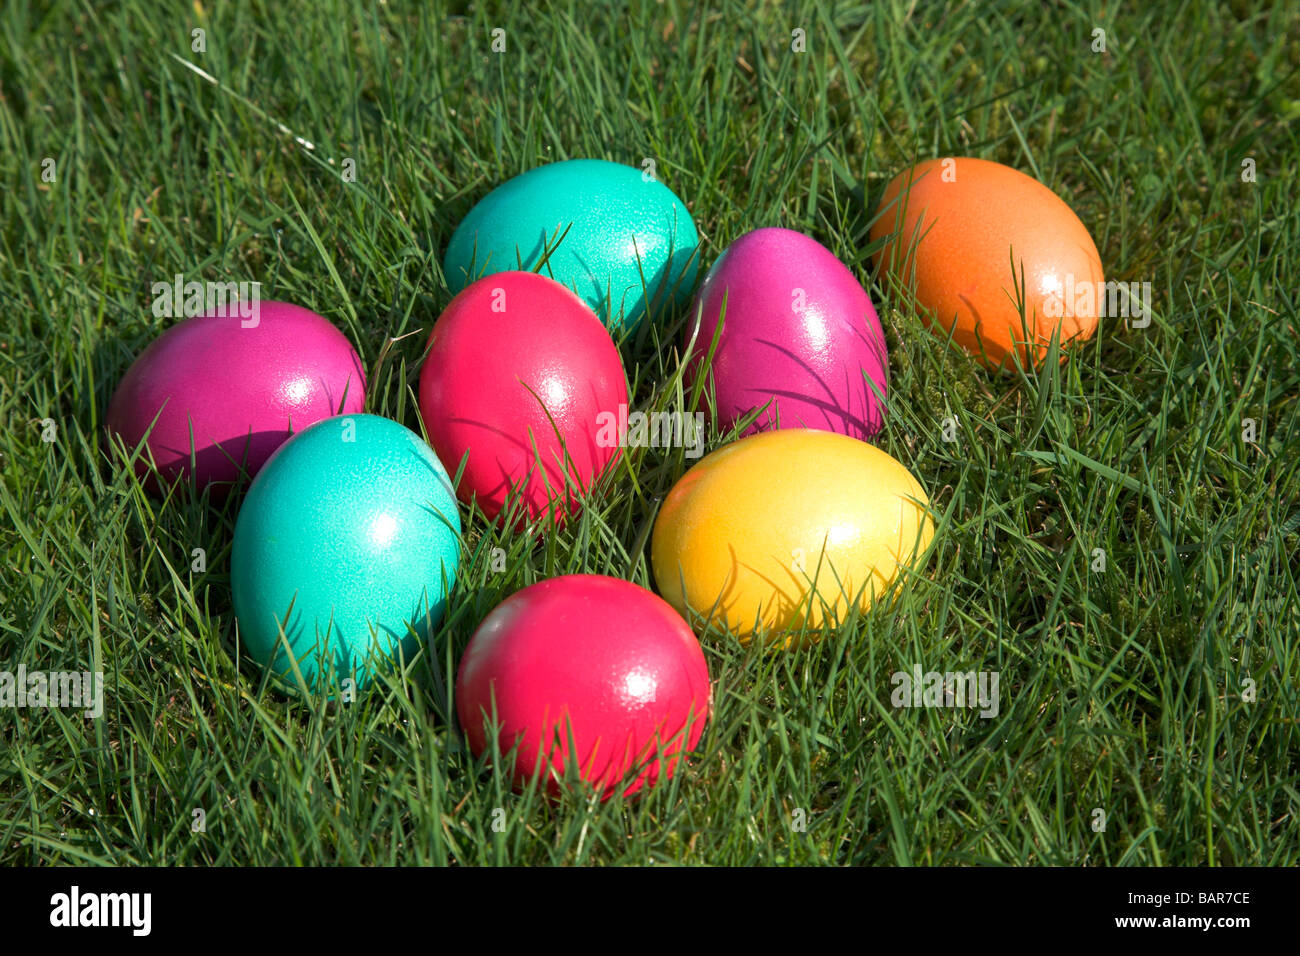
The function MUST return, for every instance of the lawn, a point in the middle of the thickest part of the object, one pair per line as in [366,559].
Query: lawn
[1149,710]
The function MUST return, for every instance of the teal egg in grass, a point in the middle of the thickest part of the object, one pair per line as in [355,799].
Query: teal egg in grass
[630,242]
[349,540]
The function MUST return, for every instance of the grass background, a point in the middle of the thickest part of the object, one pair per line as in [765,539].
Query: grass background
[1121,690]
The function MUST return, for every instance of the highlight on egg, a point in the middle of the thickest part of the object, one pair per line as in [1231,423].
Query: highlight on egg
[217,394]
[519,377]
[799,339]
[588,673]
[786,532]
[977,241]
[614,234]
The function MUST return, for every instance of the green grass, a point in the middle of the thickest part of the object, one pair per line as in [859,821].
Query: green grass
[1121,690]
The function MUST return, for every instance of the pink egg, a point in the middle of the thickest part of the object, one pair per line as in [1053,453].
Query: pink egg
[589,660]
[520,378]
[239,391]
[799,332]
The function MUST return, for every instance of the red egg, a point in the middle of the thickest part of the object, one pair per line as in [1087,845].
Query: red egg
[221,392]
[519,379]
[591,660]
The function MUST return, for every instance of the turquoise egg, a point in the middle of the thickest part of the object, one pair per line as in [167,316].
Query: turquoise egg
[629,237]
[349,539]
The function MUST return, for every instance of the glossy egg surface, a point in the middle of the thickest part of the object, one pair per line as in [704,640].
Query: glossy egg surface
[800,336]
[978,239]
[349,540]
[627,235]
[589,672]
[226,393]
[785,529]
[519,378]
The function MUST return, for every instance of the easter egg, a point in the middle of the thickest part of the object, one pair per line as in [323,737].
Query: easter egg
[227,391]
[348,541]
[978,237]
[799,336]
[785,529]
[618,237]
[520,379]
[589,672]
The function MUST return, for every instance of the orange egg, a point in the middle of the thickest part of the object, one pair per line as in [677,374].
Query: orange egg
[956,234]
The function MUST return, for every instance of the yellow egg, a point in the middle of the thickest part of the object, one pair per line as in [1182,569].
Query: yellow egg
[787,527]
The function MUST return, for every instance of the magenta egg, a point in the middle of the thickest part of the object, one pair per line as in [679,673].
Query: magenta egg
[520,382]
[585,670]
[227,391]
[799,333]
